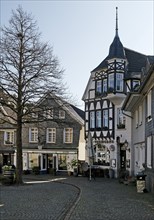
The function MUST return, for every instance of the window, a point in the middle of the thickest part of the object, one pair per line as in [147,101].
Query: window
[105,85]
[111,81]
[149,152]
[105,118]
[34,115]
[149,105]
[33,135]
[92,119]
[103,155]
[68,135]
[136,84]
[98,119]
[119,82]
[99,86]
[9,137]
[61,114]
[51,135]
[121,120]
[136,118]
[48,114]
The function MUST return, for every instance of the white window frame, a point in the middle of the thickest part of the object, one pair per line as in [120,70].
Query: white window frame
[119,82]
[33,135]
[51,135]
[48,114]
[61,114]
[68,135]
[149,152]
[8,137]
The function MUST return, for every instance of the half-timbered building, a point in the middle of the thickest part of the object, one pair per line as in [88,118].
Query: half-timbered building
[109,83]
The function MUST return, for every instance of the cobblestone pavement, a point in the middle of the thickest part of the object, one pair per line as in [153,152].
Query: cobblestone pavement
[100,199]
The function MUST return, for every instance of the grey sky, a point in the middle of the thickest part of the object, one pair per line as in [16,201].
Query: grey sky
[82,31]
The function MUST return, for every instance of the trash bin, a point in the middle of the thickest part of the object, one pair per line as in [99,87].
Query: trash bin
[140,182]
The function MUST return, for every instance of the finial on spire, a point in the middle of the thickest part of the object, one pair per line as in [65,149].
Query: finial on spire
[116,21]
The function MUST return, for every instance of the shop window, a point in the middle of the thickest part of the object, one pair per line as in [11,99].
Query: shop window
[103,155]
[62,162]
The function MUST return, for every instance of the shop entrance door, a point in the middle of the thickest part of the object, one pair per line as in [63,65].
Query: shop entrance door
[122,158]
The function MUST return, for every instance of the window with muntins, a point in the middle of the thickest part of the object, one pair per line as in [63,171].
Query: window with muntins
[48,114]
[9,137]
[119,82]
[51,135]
[105,118]
[104,85]
[99,86]
[98,119]
[33,135]
[92,119]
[68,135]
[111,81]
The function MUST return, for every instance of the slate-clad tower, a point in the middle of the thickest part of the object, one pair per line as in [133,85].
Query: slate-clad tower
[119,73]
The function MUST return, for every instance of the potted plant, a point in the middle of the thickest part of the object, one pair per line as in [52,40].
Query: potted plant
[73,167]
[8,174]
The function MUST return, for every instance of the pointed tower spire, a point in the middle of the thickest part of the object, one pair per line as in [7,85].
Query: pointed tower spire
[116,21]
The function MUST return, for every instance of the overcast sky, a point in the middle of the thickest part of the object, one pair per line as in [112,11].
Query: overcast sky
[82,31]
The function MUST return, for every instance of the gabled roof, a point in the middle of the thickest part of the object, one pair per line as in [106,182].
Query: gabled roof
[76,113]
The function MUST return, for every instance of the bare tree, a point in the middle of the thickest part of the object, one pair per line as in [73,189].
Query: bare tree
[28,69]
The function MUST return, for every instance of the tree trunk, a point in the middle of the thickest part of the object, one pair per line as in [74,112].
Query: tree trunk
[19,163]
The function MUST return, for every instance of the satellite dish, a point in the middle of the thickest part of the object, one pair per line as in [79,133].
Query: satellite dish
[85,166]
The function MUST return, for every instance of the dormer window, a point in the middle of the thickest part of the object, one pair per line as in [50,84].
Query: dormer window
[135,85]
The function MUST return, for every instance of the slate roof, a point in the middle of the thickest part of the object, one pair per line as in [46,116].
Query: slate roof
[116,49]
[78,111]
[136,61]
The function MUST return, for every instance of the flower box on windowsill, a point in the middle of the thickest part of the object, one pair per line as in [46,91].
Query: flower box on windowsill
[121,126]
